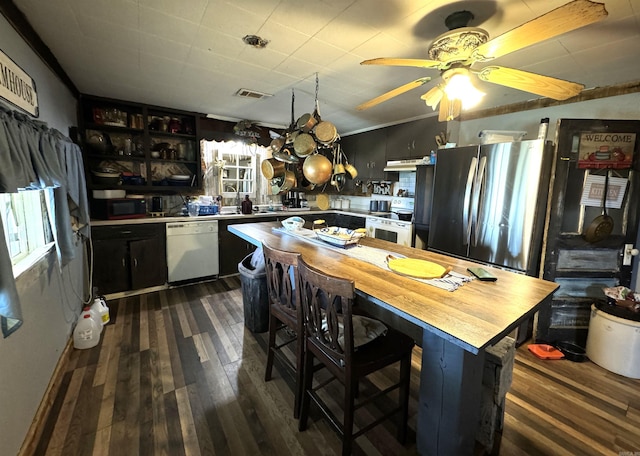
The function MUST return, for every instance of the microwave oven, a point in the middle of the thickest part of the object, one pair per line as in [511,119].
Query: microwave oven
[118,208]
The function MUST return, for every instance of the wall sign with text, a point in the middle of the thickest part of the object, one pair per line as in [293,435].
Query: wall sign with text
[16,86]
[606,150]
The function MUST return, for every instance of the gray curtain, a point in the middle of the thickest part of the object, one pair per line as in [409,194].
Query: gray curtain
[33,156]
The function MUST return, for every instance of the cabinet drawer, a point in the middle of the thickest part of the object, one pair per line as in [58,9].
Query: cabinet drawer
[143,231]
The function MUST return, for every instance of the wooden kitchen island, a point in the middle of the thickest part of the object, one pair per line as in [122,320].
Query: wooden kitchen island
[455,327]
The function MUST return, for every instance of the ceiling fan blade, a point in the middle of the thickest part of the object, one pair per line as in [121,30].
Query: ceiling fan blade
[545,86]
[571,16]
[420,63]
[393,93]
[449,109]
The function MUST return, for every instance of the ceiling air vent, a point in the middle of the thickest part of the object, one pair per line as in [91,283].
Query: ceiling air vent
[252,94]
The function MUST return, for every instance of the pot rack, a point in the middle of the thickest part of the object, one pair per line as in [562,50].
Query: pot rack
[329,150]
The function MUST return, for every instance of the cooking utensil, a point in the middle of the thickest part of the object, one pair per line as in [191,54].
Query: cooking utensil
[383,206]
[414,267]
[276,182]
[322,200]
[317,169]
[341,237]
[571,351]
[289,181]
[602,225]
[276,144]
[349,169]
[326,132]
[304,145]
[286,156]
[307,121]
[272,168]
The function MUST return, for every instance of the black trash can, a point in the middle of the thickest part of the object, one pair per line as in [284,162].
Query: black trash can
[255,298]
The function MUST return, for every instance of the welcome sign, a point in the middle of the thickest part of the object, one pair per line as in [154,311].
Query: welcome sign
[16,86]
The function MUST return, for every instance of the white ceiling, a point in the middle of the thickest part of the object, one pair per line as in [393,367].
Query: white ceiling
[189,54]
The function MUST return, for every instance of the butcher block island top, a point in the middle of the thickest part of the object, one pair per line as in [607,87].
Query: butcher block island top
[474,316]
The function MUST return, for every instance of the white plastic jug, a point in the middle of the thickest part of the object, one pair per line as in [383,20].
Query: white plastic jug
[95,316]
[86,333]
[100,307]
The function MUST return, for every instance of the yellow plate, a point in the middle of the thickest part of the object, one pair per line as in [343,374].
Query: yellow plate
[323,201]
[414,267]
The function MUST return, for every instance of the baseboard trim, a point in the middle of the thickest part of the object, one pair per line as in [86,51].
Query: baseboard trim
[32,438]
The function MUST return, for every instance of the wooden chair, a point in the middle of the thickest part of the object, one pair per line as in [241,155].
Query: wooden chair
[327,308]
[285,316]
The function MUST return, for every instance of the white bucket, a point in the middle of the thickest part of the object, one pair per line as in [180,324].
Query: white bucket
[614,343]
[100,307]
[86,333]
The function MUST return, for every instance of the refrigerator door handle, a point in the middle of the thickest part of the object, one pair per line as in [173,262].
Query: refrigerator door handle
[477,191]
[468,190]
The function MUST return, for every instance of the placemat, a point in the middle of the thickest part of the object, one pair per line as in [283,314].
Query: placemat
[377,257]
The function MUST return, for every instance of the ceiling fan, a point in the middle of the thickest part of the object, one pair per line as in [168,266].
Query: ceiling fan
[456,51]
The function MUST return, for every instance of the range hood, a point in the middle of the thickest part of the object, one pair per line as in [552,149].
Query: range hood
[404,165]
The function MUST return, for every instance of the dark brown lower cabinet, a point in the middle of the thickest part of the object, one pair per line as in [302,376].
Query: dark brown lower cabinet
[129,257]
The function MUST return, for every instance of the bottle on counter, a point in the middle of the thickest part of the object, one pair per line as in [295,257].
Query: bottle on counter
[247,205]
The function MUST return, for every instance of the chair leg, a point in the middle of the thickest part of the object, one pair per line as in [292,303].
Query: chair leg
[403,397]
[350,387]
[299,376]
[307,384]
[273,329]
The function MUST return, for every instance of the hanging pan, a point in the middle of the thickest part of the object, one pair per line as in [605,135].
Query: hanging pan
[602,225]
[272,168]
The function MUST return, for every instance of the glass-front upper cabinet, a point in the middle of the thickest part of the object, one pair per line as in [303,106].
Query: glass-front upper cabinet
[138,148]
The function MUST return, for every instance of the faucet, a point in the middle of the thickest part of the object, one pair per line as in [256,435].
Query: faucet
[238,202]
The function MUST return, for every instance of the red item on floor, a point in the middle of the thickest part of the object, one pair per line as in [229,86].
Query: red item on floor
[545,351]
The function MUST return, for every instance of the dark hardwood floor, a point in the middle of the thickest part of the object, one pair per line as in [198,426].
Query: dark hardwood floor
[177,373]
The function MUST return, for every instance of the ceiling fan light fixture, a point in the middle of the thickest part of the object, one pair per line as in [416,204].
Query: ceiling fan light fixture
[459,87]
[433,96]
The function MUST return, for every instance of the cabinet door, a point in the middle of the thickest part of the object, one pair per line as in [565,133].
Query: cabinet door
[148,263]
[369,154]
[412,139]
[232,249]
[110,265]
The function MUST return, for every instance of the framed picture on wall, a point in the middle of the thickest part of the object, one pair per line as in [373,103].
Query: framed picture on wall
[606,150]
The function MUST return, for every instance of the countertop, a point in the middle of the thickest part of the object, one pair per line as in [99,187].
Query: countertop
[474,316]
[255,215]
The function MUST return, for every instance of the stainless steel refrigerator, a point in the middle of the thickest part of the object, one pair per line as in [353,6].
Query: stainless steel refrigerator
[489,203]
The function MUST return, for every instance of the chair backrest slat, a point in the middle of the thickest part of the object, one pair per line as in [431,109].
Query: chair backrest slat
[281,274]
[327,311]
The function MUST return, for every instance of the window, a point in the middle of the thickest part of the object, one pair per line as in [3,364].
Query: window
[238,173]
[26,225]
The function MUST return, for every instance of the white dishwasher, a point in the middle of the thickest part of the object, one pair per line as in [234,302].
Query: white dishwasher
[192,250]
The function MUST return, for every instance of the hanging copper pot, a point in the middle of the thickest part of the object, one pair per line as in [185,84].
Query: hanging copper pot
[304,145]
[326,133]
[306,122]
[317,169]
[276,144]
[272,168]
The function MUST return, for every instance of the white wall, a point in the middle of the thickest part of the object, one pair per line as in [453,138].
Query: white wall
[49,303]
[623,107]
